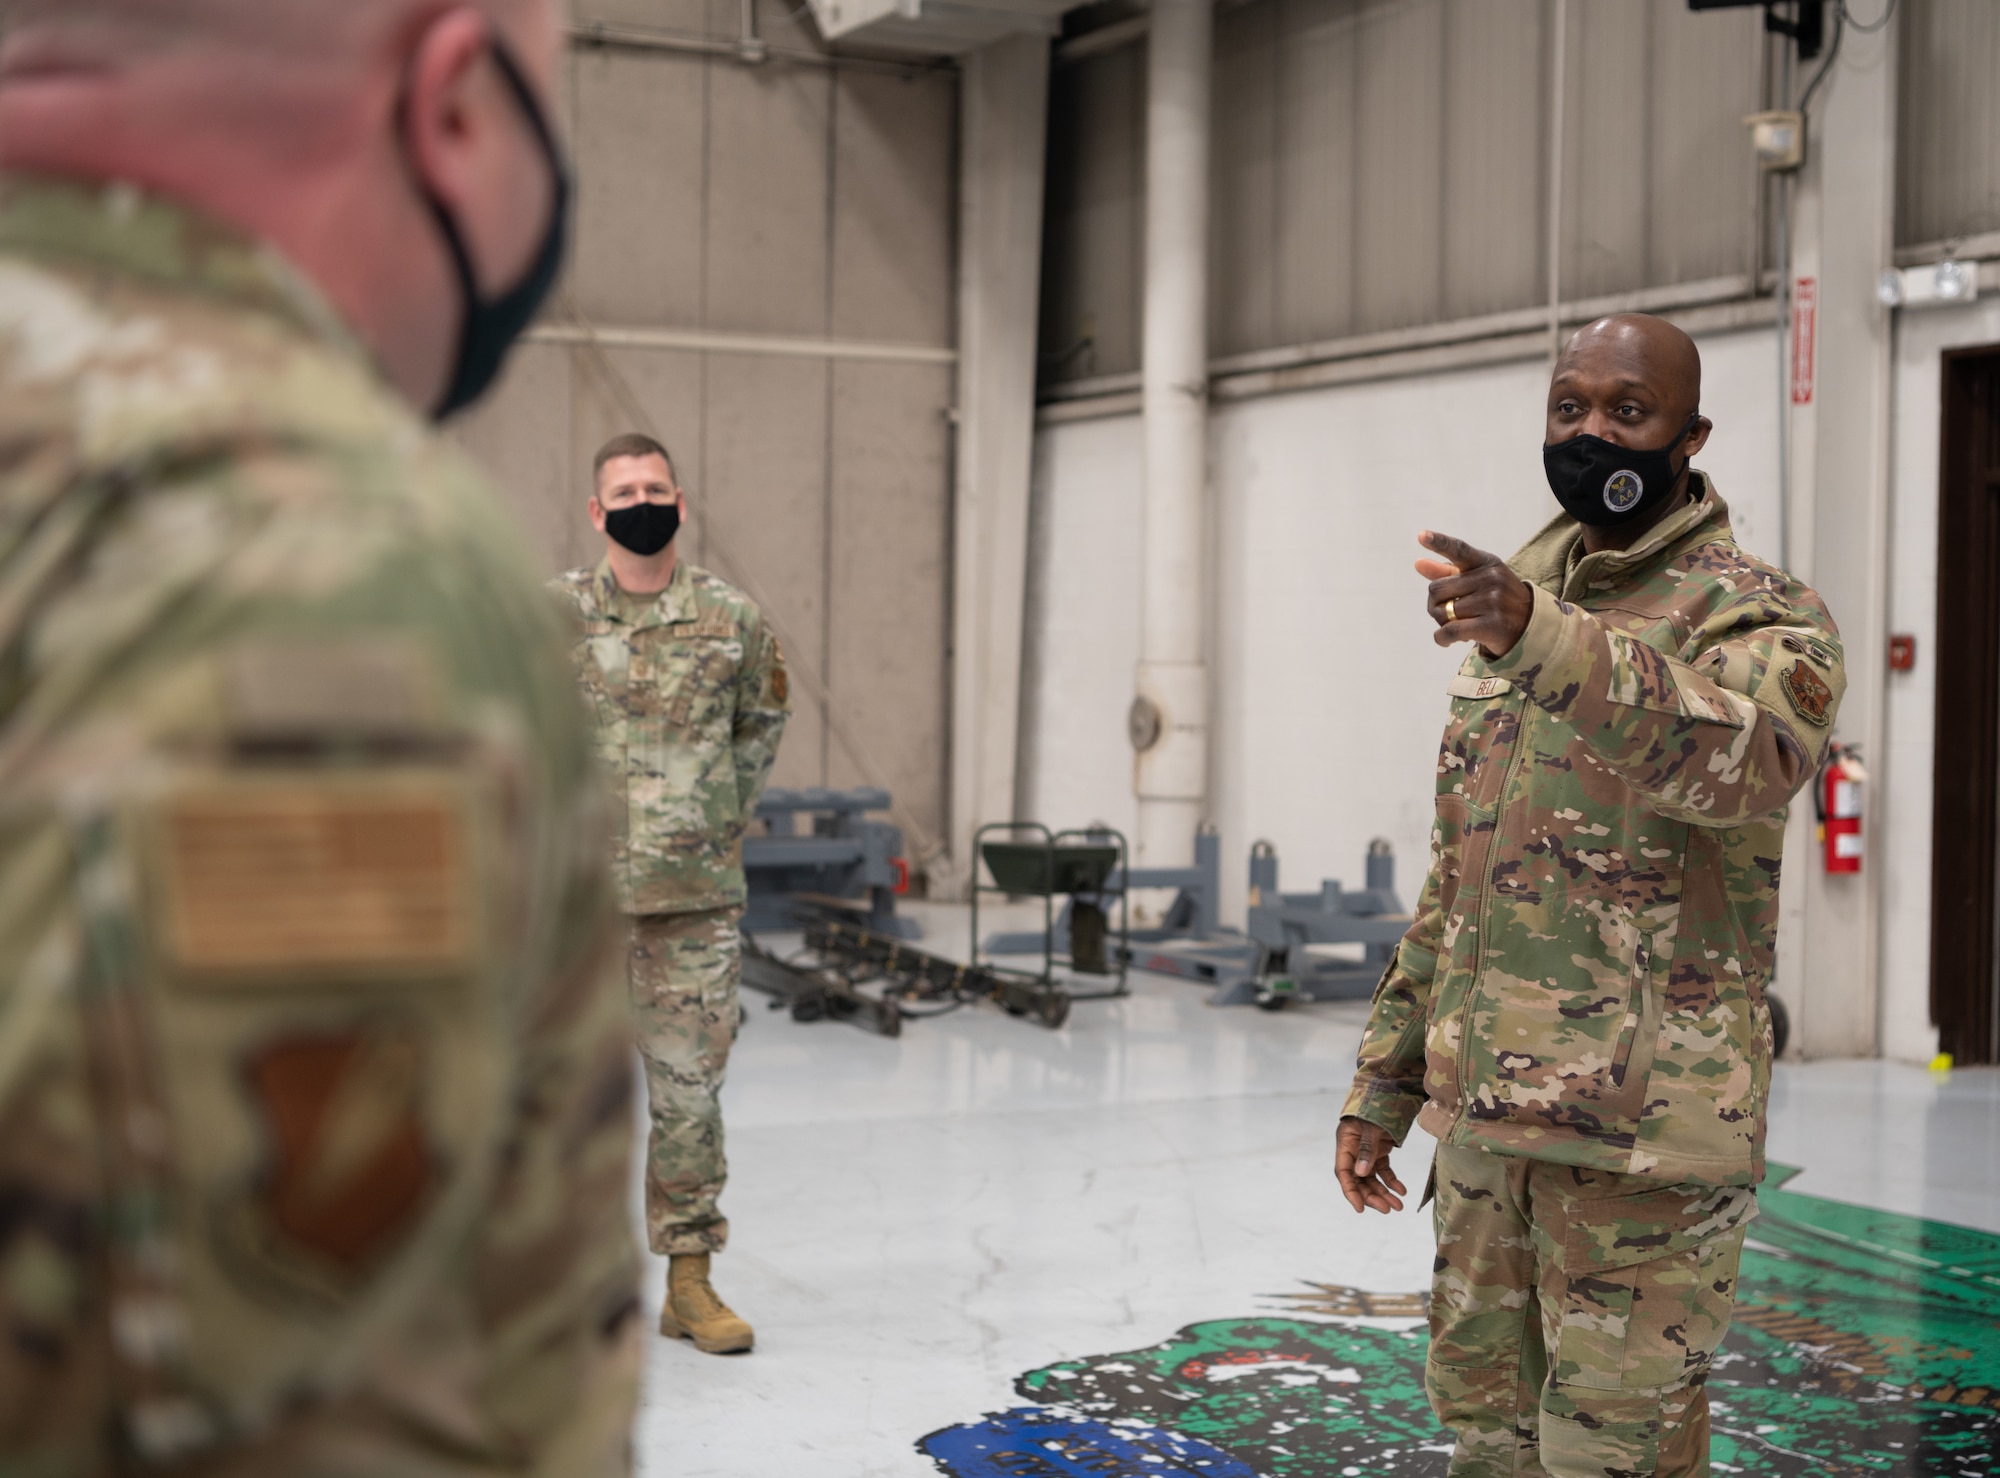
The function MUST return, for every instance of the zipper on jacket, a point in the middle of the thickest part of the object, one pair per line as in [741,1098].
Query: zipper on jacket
[1481,900]
[1635,1011]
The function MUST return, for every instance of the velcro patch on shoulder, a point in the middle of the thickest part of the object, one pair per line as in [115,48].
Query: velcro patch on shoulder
[315,689]
[265,880]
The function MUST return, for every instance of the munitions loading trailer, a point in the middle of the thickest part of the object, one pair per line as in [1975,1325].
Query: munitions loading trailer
[841,862]
[827,980]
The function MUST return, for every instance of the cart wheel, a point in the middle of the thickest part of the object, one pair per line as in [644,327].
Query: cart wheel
[809,1008]
[1054,1011]
[1781,1026]
[1269,1002]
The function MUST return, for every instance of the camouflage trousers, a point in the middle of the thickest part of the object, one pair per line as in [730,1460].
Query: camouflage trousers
[684,970]
[1574,1314]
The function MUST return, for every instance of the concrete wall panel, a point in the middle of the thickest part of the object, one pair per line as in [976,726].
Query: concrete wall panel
[889,620]
[895,153]
[1318,92]
[1399,198]
[764,511]
[1495,155]
[1948,139]
[1094,257]
[1243,192]
[687,17]
[1607,229]
[768,184]
[521,435]
[639,146]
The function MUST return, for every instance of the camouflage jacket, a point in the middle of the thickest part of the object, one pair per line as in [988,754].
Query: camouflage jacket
[691,699]
[314,1137]
[1584,980]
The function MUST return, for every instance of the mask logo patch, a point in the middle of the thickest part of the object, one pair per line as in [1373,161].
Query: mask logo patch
[1622,490]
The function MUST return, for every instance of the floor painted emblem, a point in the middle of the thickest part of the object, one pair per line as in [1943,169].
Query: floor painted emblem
[1865,1343]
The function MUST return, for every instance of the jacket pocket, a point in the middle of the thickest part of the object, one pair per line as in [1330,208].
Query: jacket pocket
[1624,1092]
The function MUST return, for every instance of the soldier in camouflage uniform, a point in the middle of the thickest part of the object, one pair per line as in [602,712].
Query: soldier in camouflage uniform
[1578,1012]
[314,1071]
[689,689]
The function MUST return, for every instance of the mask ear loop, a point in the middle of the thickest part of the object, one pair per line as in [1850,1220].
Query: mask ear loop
[473,303]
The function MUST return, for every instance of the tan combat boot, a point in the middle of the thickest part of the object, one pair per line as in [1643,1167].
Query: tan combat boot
[693,1311]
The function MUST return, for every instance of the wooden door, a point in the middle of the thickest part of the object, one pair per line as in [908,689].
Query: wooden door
[1965,807]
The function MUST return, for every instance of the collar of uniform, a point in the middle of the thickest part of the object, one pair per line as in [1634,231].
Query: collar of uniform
[1554,558]
[675,603]
[124,230]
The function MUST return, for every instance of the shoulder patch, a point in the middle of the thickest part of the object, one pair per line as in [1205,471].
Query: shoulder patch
[349,1168]
[281,691]
[1808,693]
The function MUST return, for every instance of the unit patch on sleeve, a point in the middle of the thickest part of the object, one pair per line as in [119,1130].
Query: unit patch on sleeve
[1808,692]
[349,1168]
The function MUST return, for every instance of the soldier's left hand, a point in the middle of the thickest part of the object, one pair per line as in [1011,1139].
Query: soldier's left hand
[1488,603]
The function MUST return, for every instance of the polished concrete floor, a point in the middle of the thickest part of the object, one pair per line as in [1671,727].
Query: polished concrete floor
[970,1222]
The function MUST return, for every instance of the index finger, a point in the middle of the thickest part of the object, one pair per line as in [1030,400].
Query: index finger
[1460,553]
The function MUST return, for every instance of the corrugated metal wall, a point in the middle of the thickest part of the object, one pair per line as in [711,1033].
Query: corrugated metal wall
[1948,138]
[1382,164]
[786,199]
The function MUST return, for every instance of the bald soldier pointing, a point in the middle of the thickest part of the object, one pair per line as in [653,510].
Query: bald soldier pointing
[1578,1012]
[315,1092]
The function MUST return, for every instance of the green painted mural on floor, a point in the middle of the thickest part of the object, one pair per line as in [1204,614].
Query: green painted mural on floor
[1866,1344]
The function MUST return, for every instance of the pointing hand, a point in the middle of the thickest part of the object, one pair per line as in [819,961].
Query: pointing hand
[1474,596]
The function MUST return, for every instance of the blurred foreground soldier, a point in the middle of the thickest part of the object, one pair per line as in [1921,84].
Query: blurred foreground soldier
[314,1084]
[1578,1013]
[689,688]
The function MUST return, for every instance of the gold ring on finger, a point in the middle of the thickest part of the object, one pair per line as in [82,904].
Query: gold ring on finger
[1450,612]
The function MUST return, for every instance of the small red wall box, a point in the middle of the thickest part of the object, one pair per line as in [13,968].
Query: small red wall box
[1902,653]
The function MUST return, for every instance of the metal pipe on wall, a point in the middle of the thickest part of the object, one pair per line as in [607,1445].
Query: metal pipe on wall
[1169,719]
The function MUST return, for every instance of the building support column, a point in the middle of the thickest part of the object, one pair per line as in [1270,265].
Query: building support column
[1838,371]
[1170,721]
[1003,105]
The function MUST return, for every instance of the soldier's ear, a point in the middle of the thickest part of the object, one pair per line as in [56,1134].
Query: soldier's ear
[596,513]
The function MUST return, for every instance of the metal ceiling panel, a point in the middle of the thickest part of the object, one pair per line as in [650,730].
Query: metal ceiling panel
[1948,145]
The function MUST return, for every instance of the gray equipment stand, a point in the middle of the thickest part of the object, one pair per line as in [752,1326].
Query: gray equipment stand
[842,863]
[1270,962]
[1283,925]
[1188,943]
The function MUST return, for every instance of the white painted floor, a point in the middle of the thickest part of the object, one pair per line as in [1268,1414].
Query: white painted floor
[917,1222]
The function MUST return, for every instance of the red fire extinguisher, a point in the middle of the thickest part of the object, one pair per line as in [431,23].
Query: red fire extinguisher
[1839,807]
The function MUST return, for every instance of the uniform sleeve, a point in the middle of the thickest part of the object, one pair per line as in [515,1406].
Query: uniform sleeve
[763,703]
[317,889]
[1389,1069]
[1718,743]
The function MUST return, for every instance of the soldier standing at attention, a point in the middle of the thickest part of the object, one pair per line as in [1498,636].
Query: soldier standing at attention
[1578,1012]
[689,689]
[314,1082]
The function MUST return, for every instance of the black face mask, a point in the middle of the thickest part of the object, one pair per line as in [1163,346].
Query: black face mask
[491,325]
[644,528]
[1601,483]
